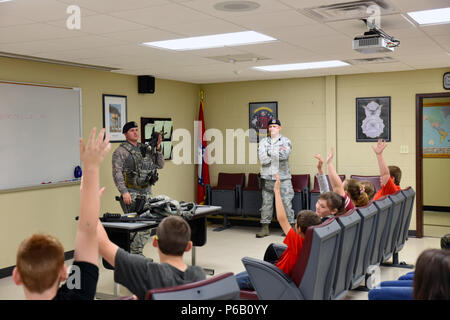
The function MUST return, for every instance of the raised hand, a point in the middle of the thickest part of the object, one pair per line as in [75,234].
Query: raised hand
[381,145]
[95,151]
[330,156]
[320,161]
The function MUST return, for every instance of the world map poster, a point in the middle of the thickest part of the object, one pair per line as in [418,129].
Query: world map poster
[436,130]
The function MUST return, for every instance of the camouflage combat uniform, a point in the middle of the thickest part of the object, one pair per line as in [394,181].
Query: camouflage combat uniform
[275,161]
[131,173]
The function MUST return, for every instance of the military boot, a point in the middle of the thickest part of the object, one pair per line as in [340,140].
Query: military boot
[264,231]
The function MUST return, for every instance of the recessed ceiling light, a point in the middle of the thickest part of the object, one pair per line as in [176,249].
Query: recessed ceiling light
[303,66]
[434,16]
[236,6]
[212,41]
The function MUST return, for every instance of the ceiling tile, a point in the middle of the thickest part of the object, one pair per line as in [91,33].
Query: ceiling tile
[99,24]
[161,16]
[261,21]
[266,6]
[107,6]
[141,35]
[38,10]
[34,32]
[203,27]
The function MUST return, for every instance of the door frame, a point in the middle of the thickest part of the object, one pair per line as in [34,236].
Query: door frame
[419,157]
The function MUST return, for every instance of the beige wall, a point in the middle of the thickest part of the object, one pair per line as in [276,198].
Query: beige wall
[436,182]
[53,210]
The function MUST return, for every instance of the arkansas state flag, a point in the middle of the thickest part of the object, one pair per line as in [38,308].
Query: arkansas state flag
[202,166]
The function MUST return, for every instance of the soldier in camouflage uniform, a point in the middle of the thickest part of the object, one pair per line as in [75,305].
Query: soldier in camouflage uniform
[134,166]
[273,153]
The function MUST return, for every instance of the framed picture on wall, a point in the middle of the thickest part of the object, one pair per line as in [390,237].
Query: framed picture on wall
[436,128]
[373,119]
[260,113]
[114,116]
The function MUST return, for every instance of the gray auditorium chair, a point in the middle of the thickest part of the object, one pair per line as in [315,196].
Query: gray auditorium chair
[374,179]
[313,275]
[300,184]
[227,194]
[410,194]
[315,192]
[220,287]
[382,229]
[403,224]
[364,244]
[394,223]
[252,197]
[350,223]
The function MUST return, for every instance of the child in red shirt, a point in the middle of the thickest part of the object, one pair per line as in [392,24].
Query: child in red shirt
[294,237]
[389,176]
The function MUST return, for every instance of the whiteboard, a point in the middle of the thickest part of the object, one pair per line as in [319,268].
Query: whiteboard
[40,127]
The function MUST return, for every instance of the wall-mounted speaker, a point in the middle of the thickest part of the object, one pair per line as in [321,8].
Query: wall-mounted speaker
[146,84]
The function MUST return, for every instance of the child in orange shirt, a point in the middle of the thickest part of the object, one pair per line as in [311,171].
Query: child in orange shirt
[294,237]
[389,176]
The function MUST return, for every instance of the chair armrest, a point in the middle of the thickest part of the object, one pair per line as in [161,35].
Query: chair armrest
[239,197]
[208,194]
[269,281]
[306,197]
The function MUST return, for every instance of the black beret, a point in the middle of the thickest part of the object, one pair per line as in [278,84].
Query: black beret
[275,121]
[128,126]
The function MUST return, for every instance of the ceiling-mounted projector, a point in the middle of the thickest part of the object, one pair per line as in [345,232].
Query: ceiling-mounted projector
[374,41]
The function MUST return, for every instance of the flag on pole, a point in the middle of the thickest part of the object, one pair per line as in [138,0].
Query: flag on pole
[202,166]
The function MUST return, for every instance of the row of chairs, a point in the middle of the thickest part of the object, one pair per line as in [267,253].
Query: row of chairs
[339,254]
[237,199]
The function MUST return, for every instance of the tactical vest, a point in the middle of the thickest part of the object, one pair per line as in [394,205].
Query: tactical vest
[139,176]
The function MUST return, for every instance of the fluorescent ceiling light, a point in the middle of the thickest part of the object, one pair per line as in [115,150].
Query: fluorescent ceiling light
[303,66]
[4,1]
[212,41]
[435,16]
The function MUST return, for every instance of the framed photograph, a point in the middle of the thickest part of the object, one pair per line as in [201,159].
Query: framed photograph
[114,116]
[373,119]
[260,113]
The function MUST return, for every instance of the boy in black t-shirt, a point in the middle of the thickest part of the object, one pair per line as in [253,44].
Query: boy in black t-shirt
[138,274]
[40,264]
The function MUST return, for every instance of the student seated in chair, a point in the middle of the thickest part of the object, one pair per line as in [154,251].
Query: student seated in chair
[350,189]
[138,274]
[40,264]
[331,203]
[389,176]
[294,237]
